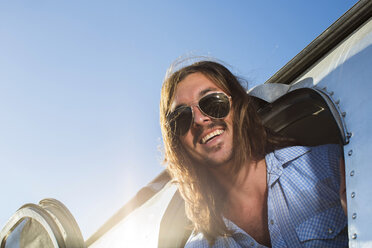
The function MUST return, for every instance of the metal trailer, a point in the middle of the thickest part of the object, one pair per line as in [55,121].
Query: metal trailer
[320,96]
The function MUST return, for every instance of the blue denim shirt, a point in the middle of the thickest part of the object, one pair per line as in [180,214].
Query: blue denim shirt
[304,208]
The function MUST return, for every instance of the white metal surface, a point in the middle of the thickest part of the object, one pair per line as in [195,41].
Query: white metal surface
[346,71]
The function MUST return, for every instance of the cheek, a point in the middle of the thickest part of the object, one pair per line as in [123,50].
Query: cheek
[229,121]
[188,147]
[186,140]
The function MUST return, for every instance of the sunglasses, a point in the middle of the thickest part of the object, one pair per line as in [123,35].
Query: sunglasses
[215,105]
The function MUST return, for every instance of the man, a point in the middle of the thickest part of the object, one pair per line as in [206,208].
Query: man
[245,186]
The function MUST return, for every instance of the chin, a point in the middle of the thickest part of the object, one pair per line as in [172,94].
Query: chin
[216,162]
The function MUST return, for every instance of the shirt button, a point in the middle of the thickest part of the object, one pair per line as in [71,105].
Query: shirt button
[272,222]
[330,230]
[251,244]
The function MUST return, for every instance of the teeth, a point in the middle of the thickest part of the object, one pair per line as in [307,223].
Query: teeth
[210,135]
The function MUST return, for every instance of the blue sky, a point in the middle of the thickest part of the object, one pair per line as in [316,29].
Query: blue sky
[80,86]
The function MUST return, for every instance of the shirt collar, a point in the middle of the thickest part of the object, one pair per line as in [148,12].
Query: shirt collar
[231,225]
[279,159]
[239,235]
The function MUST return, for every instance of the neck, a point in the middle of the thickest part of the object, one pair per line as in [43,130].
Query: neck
[244,178]
[246,199]
[249,182]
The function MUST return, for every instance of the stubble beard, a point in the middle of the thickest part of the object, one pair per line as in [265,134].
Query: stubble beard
[213,164]
[210,162]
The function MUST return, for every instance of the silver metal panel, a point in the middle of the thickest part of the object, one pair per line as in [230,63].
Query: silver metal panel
[36,213]
[49,224]
[347,72]
[269,92]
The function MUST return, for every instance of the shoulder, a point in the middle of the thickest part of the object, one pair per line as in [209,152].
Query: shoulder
[327,156]
[308,164]
[291,153]
[327,150]
[316,161]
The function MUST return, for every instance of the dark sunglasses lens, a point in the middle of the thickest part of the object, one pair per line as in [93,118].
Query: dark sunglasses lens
[216,105]
[180,120]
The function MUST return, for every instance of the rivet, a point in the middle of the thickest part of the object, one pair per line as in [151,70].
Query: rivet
[272,222]
[337,102]
[343,114]
[352,194]
[352,173]
[349,134]
[354,216]
[350,152]
[354,236]
[330,231]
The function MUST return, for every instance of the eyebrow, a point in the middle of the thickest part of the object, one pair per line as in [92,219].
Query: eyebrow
[209,89]
[200,95]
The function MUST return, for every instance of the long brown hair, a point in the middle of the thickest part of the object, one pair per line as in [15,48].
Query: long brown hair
[203,195]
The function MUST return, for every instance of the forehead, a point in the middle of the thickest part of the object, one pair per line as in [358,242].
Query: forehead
[192,88]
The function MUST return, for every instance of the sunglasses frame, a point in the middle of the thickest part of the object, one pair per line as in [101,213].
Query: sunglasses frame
[198,106]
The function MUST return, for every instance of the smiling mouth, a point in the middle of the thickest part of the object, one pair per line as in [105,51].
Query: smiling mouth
[211,135]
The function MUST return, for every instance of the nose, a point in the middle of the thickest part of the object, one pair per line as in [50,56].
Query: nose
[199,117]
